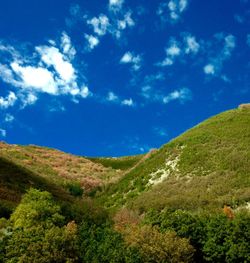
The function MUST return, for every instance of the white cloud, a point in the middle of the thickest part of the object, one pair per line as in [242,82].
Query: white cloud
[3,133]
[127,102]
[134,60]
[28,99]
[67,47]
[92,41]
[100,24]
[173,50]
[50,72]
[38,78]
[115,5]
[51,56]
[209,69]
[192,46]
[181,95]
[216,62]
[8,101]
[84,92]
[9,118]
[112,97]
[174,8]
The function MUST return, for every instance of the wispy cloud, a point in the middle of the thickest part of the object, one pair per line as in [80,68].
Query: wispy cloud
[3,133]
[113,98]
[172,10]
[134,60]
[180,95]
[188,45]
[159,131]
[248,40]
[9,118]
[216,61]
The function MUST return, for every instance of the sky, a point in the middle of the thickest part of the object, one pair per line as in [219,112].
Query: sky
[118,77]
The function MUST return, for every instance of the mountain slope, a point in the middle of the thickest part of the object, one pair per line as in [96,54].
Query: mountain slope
[207,166]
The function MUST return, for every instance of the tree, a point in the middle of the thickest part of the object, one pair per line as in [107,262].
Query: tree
[38,234]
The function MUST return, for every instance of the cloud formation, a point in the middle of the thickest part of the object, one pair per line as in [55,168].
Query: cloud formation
[217,60]
[181,95]
[188,45]
[172,10]
[134,60]
[50,70]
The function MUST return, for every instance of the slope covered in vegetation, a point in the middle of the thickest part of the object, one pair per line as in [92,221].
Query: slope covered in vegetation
[208,166]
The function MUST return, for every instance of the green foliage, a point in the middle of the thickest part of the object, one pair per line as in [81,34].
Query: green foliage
[215,237]
[75,189]
[37,208]
[38,234]
[155,246]
[213,167]
[102,244]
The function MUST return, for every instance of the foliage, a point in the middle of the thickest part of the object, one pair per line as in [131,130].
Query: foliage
[159,247]
[216,237]
[75,189]
[38,234]
[102,244]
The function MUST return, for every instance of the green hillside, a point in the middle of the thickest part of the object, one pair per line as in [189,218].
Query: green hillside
[207,166]
[185,202]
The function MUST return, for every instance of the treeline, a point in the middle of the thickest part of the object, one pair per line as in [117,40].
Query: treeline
[40,230]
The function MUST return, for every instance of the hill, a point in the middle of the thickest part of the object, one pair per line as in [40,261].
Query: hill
[206,167]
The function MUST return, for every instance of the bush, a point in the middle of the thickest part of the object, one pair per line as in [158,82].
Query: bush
[75,189]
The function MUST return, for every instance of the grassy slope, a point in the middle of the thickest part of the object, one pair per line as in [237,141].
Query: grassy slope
[213,169]
[15,180]
[118,163]
[58,167]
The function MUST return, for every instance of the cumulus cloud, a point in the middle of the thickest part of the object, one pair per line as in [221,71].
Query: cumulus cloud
[99,24]
[67,47]
[115,5]
[51,56]
[127,102]
[8,101]
[113,24]
[172,9]
[92,41]
[192,46]
[132,59]
[112,97]
[181,95]
[50,70]
[187,45]
[209,69]
[37,78]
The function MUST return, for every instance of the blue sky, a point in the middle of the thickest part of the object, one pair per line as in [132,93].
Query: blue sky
[118,77]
